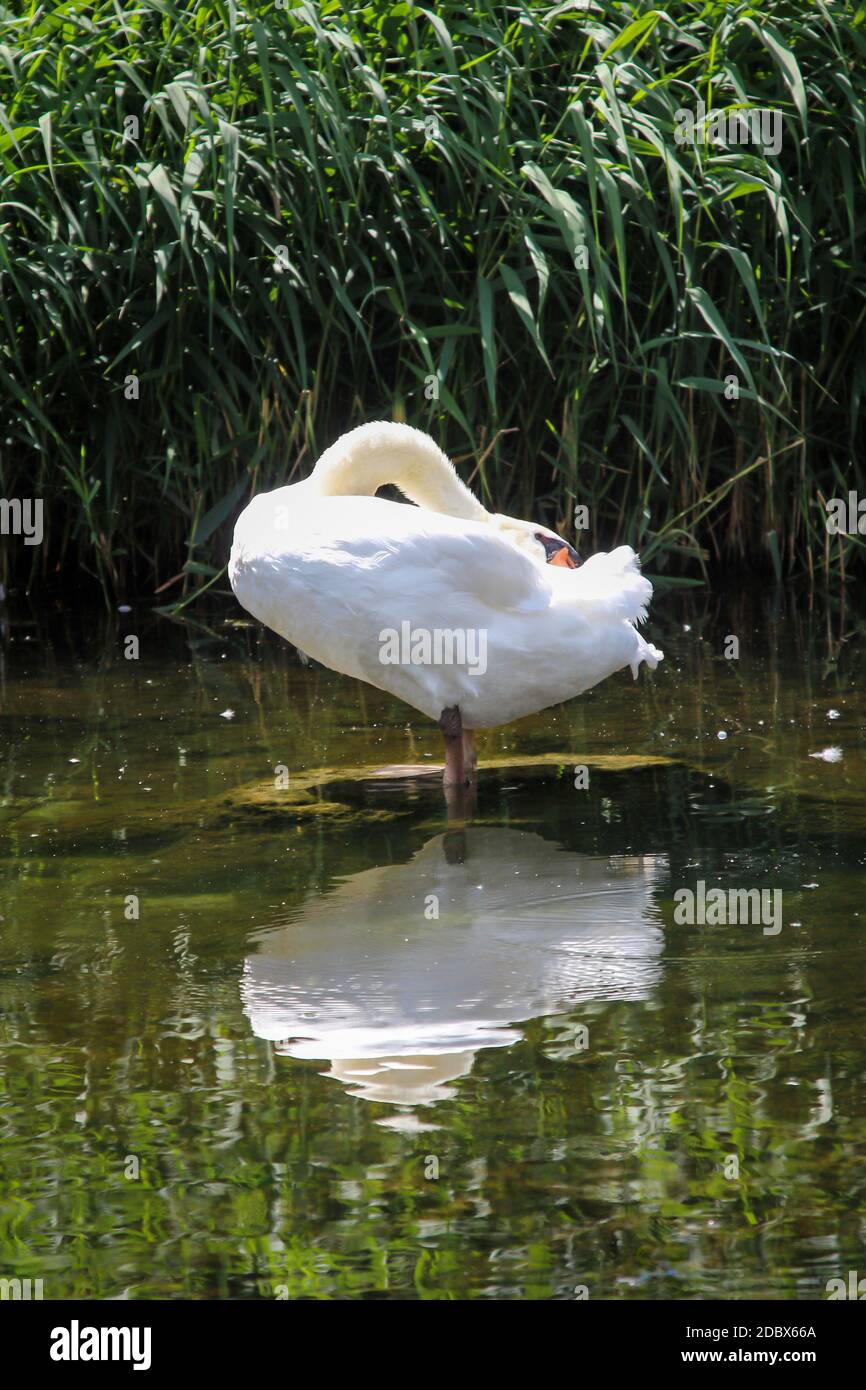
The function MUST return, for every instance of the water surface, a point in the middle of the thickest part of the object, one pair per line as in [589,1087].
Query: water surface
[319,1039]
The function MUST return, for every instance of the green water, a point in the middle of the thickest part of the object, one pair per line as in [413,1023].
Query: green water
[317,1040]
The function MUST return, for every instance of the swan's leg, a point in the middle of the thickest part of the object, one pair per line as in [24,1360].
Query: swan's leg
[460,760]
[460,802]
[452,729]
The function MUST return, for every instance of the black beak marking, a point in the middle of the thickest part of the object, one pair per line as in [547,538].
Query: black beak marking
[553,545]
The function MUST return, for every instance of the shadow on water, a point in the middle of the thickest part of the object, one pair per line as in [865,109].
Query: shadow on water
[212,910]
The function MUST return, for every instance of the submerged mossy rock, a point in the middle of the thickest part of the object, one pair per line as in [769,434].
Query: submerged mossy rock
[261,802]
[335,794]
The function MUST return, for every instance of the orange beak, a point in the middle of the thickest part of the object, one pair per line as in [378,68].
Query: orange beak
[563,559]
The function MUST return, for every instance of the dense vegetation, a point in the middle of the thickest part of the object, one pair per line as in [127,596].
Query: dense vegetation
[231,230]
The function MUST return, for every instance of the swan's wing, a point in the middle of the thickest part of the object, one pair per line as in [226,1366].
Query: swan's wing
[376,557]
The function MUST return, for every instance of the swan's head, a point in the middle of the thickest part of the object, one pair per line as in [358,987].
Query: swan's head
[543,545]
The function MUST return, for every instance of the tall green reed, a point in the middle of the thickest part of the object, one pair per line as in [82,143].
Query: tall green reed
[229,231]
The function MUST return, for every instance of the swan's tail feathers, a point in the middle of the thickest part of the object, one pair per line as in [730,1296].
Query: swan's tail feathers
[612,582]
[611,585]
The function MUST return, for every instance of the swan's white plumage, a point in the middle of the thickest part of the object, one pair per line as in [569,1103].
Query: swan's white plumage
[331,572]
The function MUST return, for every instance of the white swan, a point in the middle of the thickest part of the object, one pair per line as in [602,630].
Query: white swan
[471,617]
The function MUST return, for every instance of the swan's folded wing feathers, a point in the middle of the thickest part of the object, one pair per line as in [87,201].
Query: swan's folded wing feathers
[417,554]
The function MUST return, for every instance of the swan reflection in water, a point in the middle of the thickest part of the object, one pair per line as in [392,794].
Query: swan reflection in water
[400,974]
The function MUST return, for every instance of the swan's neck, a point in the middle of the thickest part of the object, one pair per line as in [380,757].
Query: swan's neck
[367,458]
